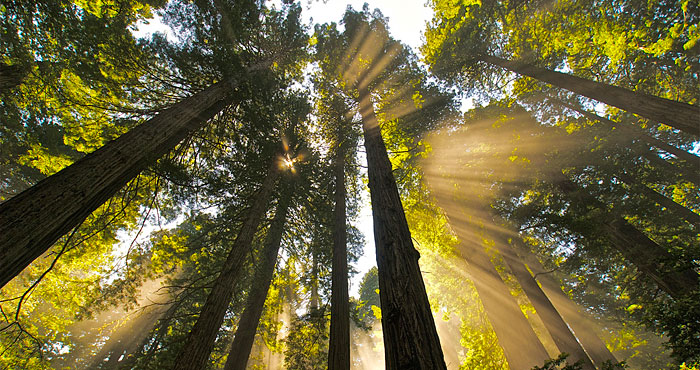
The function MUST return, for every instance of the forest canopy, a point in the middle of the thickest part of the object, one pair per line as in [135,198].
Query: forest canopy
[528,180]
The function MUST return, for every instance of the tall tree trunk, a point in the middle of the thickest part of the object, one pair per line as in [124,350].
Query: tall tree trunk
[659,164]
[682,116]
[11,75]
[582,325]
[647,256]
[339,344]
[248,323]
[410,338]
[200,341]
[690,158]
[687,214]
[33,220]
[521,346]
[556,326]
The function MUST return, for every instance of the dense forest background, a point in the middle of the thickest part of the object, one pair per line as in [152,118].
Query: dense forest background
[193,201]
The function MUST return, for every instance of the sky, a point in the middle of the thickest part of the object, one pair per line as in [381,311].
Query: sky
[407,19]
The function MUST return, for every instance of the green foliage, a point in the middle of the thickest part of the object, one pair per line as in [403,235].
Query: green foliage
[82,79]
[364,312]
[307,343]
[556,364]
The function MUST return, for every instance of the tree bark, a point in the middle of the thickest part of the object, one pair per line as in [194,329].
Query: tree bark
[660,164]
[556,326]
[521,346]
[339,344]
[688,215]
[582,326]
[33,220]
[248,323]
[11,76]
[200,341]
[682,116]
[690,158]
[647,256]
[410,338]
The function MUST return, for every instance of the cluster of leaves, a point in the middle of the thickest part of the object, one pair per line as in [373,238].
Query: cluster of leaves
[78,78]
[556,363]
[624,167]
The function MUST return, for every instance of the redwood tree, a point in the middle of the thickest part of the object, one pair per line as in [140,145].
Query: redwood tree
[339,343]
[410,338]
[676,114]
[521,346]
[649,257]
[200,341]
[33,220]
[248,322]
[563,337]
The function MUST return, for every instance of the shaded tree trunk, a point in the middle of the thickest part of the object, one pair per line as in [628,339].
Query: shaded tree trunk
[690,158]
[682,116]
[33,220]
[646,255]
[339,344]
[521,346]
[556,326]
[659,164]
[11,76]
[200,341]
[582,325]
[248,323]
[410,338]
[661,199]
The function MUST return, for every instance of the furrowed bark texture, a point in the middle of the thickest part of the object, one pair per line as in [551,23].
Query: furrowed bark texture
[688,215]
[248,323]
[200,341]
[649,257]
[410,338]
[580,323]
[339,344]
[555,324]
[33,220]
[682,116]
